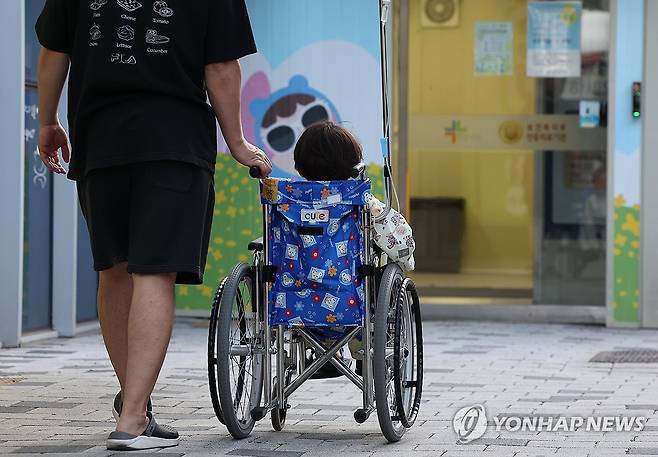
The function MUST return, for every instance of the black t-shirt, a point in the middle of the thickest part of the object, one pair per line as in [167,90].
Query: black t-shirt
[136,82]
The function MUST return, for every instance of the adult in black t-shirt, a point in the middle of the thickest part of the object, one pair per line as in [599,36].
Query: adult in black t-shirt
[143,150]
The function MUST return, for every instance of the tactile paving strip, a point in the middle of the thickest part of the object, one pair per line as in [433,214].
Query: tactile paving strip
[627,356]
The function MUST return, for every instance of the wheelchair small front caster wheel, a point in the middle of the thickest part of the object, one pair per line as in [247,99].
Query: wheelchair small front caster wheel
[278,415]
[278,419]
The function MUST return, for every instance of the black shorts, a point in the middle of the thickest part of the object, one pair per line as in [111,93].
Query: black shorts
[156,216]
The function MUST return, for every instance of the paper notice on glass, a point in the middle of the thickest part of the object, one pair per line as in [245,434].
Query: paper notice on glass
[554,39]
[493,48]
[590,114]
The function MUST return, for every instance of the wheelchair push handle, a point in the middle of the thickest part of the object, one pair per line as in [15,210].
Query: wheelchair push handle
[254,172]
[359,171]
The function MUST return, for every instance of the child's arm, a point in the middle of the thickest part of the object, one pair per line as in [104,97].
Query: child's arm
[393,235]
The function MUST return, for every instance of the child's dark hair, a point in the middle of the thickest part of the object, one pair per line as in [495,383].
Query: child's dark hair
[327,152]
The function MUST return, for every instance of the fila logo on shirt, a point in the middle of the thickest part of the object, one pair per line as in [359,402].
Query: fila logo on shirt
[315,215]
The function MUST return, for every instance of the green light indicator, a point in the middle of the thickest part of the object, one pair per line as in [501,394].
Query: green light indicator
[637,100]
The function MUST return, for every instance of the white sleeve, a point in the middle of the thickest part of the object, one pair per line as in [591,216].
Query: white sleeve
[393,235]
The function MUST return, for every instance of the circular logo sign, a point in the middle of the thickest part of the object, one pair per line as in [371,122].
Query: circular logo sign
[510,132]
[470,423]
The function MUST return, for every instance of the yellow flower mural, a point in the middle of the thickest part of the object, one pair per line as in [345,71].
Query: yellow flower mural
[631,223]
[626,251]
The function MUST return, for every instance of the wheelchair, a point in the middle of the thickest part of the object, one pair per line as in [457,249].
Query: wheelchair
[259,340]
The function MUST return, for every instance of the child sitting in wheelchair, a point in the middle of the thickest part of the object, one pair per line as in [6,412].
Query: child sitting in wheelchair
[328,152]
[328,273]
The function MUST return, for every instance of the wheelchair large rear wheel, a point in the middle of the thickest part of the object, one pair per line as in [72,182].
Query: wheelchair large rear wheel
[239,355]
[398,353]
[212,353]
[384,347]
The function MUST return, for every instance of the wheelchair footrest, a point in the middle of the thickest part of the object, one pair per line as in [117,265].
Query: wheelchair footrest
[258,413]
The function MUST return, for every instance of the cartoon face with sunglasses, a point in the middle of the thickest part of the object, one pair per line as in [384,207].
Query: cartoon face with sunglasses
[283,117]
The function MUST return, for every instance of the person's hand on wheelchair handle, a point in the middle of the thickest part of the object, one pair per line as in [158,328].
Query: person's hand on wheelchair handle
[252,157]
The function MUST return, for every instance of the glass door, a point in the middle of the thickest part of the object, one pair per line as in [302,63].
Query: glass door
[571,211]
[506,181]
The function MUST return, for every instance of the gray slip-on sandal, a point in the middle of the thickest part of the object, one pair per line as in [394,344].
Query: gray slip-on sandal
[154,437]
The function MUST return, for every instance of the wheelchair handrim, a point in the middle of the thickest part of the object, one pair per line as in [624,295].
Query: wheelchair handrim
[408,358]
[390,373]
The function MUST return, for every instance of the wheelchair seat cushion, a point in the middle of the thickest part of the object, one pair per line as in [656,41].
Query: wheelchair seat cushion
[316,245]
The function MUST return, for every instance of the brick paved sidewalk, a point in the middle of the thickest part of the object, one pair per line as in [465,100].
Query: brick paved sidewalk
[62,402]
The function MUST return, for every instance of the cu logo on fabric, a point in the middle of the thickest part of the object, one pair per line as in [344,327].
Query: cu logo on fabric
[470,423]
[320,215]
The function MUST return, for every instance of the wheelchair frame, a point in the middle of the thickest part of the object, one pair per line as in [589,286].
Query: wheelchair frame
[397,392]
[365,384]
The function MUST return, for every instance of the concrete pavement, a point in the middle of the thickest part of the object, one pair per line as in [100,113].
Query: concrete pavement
[55,397]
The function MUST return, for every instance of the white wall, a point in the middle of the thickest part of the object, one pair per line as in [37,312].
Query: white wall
[12,118]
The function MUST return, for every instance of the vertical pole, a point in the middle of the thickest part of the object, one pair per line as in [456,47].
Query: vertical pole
[403,106]
[258,293]
[267,382]
[649,167]
[280,366]
[12,174]
[368,386]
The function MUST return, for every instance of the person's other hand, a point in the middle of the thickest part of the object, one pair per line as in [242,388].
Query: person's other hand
[251,156]
[52,138]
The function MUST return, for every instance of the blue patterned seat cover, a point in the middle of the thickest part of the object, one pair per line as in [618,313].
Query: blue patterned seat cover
[317,282]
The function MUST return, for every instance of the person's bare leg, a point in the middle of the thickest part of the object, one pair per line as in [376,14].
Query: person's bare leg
[115,289]
[149,330]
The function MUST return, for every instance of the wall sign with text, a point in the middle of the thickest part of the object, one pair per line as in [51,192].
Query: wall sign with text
[495,132]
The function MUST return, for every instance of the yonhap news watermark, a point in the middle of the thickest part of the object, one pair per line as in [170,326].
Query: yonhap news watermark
[470,423]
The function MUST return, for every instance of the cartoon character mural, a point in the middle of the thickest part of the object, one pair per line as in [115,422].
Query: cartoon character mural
[325,80]
[275,121]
